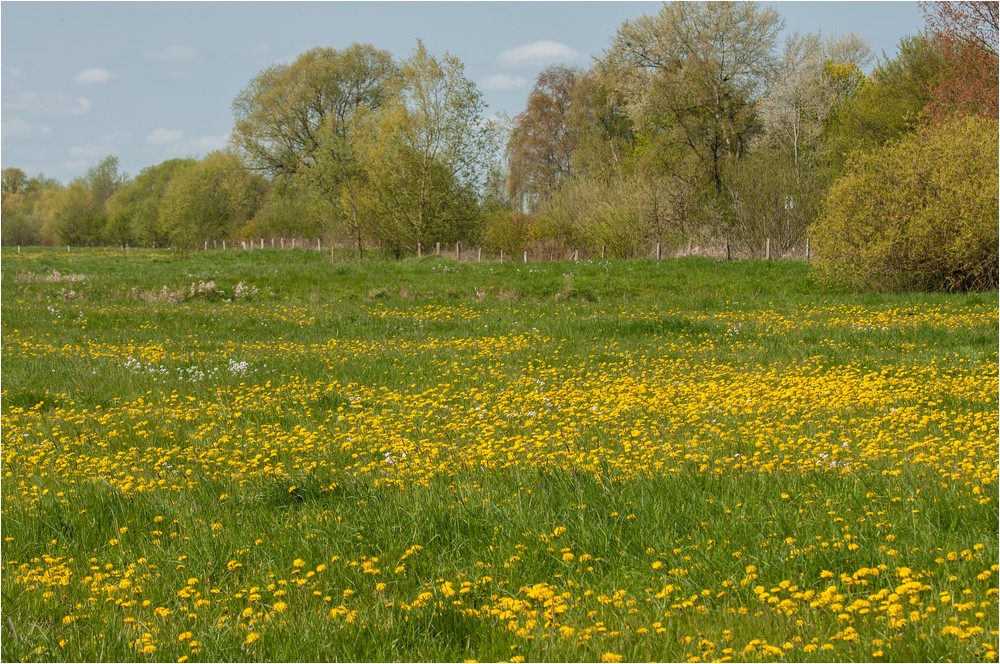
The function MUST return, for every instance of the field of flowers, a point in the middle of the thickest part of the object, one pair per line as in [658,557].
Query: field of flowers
[274,456]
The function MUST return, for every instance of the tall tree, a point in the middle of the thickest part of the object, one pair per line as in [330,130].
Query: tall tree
[604,132]
[695,72]
[812,76]
[890,103]
[134,210]
[427,155]
[297,120]
[210,200]
[965,34]
[540,148]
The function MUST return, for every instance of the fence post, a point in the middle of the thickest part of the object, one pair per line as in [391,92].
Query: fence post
[501,256]
[767,249]
[728,255]
[690,246]
[576,255]
[526,256]
[18,248]
[458,251]
[807,250]
[223,245]
[420,250]
[206,245]
[437,248]
[602,251]
[319,245]
[657,251]
[479,255]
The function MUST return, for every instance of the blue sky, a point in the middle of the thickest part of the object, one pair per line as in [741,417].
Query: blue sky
[150,81]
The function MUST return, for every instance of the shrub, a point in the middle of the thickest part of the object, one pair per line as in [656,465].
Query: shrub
[917,214]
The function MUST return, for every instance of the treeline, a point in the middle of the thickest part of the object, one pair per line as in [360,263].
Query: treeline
[696,123]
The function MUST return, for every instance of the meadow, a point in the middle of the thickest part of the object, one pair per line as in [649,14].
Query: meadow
[288,456]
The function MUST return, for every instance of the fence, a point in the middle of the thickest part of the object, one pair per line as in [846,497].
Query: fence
[540,251]
[537,252]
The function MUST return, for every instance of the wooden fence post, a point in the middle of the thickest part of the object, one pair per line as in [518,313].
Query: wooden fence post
[501,256]
[526,256]
[437,248]
[420,250]
[602,251]
[458,251]
[479,255]
[690,246]
[657,251]
[767,249]
[807,250]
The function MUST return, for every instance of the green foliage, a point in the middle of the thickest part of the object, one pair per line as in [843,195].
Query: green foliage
[917,214]
[134,210]
[210,200]
[427,156]
[890,103]
[293,209]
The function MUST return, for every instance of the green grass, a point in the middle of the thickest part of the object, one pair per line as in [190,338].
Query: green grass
[652,460]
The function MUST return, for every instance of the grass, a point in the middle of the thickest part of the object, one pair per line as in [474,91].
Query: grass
[274,455]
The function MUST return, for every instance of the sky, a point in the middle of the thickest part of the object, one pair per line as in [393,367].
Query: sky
[151,81]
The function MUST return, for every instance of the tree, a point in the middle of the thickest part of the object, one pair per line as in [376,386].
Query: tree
[693,74]
[297,120]
[811,78]
[540,148]
[22,219]
[916,214]
[73,215]
[604,132]
[210,200]
[427,155]
[889,104]
[295,208]
[965,35]
[14,181]
[134,209]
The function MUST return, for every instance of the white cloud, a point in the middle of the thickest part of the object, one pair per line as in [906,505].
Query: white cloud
[537,53]
[161,136]
[47,104]
[18,128]
[503,82]
[175,53]
[94,76]
[210,143]
[175,143]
